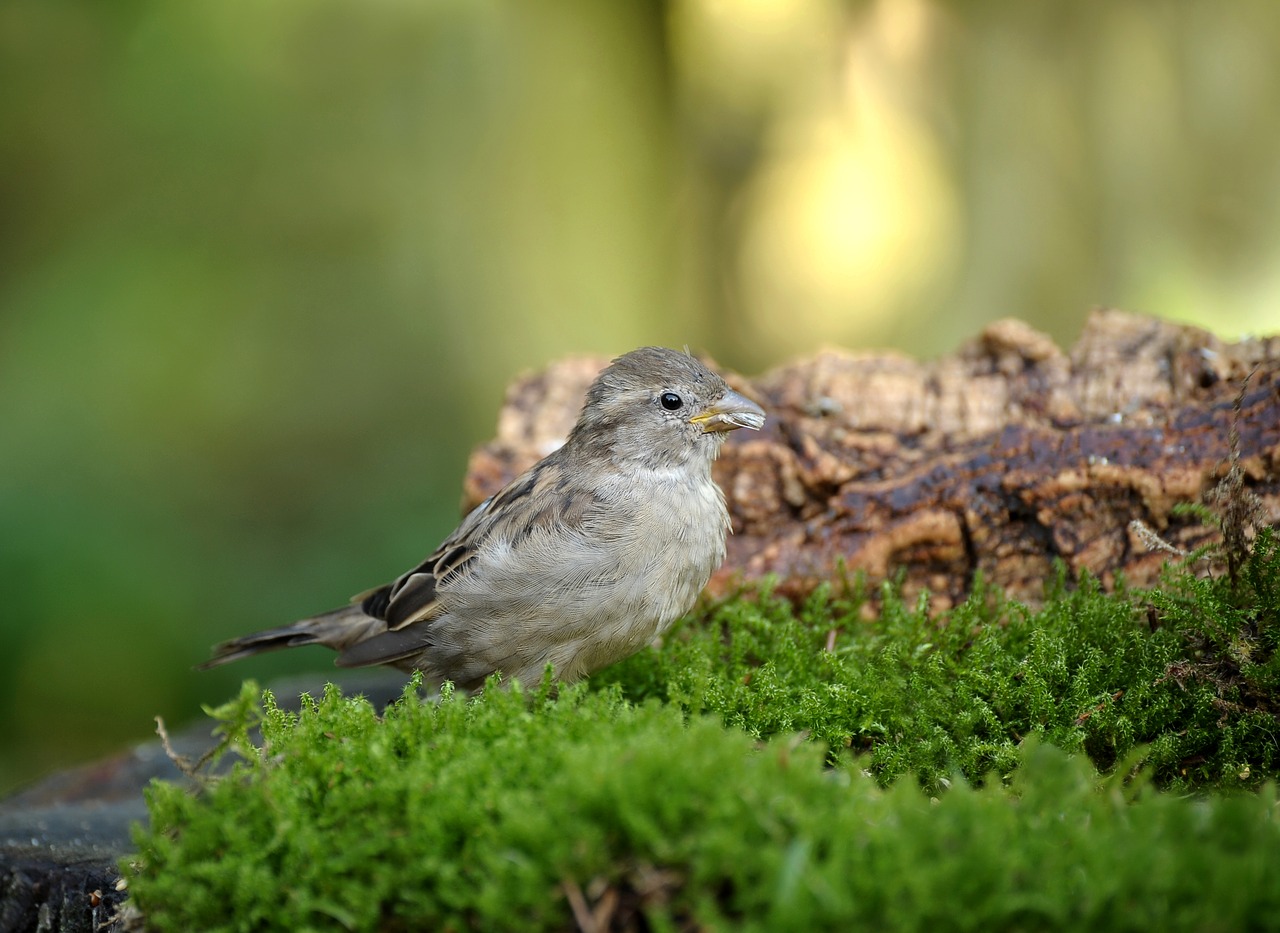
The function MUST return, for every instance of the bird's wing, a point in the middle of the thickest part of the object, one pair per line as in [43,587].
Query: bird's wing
[413,596]
[538,498]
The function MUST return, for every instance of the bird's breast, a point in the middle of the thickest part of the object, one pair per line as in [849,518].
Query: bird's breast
[678,540]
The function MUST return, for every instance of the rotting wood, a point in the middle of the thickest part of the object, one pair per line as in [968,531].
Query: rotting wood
[1004,457]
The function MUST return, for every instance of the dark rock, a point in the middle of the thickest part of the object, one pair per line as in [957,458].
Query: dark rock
[62,838]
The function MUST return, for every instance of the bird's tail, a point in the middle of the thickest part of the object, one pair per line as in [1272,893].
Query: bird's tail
[336,630]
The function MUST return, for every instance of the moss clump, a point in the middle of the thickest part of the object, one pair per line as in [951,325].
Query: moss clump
[1231,660]
[505,811]
[681,789]
[914,695]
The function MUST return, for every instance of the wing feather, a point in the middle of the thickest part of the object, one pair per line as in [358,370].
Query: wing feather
[413,601]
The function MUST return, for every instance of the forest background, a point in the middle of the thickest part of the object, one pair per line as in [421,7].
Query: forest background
[265,269]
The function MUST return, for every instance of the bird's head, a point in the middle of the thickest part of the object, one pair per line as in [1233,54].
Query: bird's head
[662,408]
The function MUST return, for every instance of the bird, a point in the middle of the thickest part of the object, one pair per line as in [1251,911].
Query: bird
[577,563]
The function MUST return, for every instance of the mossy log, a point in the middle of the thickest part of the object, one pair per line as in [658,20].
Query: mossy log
[1003,458]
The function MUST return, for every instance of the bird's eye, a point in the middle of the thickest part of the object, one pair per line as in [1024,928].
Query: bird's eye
[670,401]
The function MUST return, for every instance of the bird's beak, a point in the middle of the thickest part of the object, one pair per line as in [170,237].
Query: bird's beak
[730,412]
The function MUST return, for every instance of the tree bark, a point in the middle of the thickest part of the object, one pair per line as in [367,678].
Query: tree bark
[1004,457]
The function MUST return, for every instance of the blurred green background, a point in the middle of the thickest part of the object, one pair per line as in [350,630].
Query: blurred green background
[265,268]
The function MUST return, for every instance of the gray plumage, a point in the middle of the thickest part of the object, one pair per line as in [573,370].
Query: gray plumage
[578,562]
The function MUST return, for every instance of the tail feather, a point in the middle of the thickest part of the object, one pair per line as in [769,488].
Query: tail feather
[336,630]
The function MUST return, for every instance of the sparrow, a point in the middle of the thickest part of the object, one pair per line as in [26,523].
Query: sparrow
[579,562]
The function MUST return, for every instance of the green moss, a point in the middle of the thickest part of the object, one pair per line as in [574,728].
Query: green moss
[931,697]
[482,814]
[744,776]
